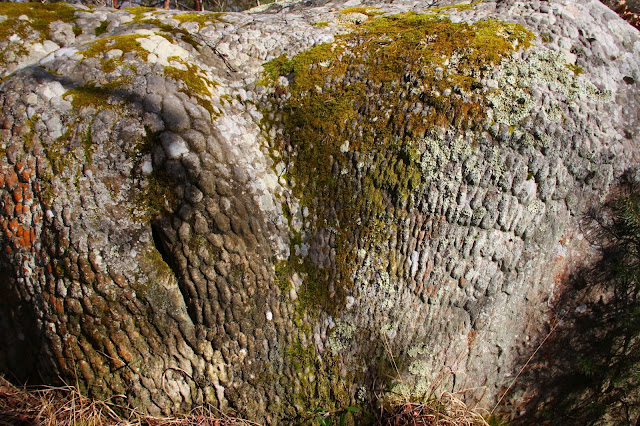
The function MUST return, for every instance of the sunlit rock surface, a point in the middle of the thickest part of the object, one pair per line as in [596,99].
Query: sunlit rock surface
[295,208]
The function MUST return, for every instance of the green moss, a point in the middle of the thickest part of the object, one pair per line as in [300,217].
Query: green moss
[89,96]
[40,16]
[58,153]
[225,98]
[283,273]
[34,30]
[278,66]
[87,142]
[348,138]
[365,10]
[139,12]
[125,42]
[157,196]
[458,7]
[577,69]
[154,195]
[320,24]
[202,18]
[153,268]
[314,293]
[173,32]
[102,28]
[319,385]
[194,82]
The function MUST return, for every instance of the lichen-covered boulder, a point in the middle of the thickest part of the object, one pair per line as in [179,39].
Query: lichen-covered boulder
[300,207]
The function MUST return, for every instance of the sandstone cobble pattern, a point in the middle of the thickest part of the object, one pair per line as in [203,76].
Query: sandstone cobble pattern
[158,245]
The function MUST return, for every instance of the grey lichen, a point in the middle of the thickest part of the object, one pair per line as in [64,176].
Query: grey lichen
[514,101]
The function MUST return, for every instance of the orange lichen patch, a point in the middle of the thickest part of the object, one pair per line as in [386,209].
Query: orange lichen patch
[25,240]
[13,226]
[27,194]
[20,165]
[17,194]
[25,175]
[10,179]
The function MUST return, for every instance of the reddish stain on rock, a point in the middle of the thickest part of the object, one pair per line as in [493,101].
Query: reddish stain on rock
[17,195]
[10,180]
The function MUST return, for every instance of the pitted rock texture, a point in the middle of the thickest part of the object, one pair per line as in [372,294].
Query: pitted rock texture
[180,225]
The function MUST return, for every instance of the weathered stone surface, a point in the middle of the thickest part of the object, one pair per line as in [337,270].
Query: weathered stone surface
[177,227]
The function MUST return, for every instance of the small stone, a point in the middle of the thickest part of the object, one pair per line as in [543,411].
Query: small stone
[113,54]
[49,46]
[32,99]
[174,114]
[146,167]
[174,146]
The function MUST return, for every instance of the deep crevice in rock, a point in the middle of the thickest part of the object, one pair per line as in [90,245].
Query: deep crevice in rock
[164,244]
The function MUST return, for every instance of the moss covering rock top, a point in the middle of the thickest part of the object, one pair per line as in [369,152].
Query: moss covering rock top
[356,113]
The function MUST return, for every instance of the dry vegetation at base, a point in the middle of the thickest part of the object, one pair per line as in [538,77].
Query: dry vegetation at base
[448,410]
[65,405]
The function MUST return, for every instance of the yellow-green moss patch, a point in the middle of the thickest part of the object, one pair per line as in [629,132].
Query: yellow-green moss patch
[319,386]
[125,42]
[202,18]
[194,82]
[139,12]
[458,7]
[34,29]
[357,112]
[40,16]
[365,10]
[102,28]
[577,69]
[89,96]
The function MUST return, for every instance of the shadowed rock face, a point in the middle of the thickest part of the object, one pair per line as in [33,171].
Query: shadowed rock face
[189,216]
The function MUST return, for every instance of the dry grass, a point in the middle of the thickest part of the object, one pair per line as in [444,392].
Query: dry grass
[65,405]
[447,410]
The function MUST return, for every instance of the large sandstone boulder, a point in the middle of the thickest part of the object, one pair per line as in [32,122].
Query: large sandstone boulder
[300,207]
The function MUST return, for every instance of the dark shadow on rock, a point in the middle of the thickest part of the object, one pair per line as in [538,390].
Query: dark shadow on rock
[588,370]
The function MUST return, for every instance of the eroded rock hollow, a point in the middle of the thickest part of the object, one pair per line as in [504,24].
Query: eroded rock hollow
[298,207]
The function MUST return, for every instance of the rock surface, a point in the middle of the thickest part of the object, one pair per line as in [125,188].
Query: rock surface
[190,217]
